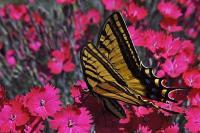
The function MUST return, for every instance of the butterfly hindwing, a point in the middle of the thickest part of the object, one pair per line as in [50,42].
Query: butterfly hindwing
[114,107]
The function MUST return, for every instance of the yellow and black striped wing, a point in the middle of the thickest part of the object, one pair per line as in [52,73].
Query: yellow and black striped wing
[103,79]
[115,43]
[117,47]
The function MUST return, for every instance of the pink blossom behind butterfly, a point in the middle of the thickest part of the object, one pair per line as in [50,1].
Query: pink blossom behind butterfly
[112,4]
[141,111]
[61,60]
[10,59]
[169,10]
[192,78]
[170,25]
[134,12]
[171,129]
[143,129]
[35,46]
[94,16]
[175,67]
[17,12]
[193,119]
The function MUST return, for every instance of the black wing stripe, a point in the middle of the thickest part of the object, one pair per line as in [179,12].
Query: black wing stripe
[107,67]
[124,27]
[88,64]
[125,50]
[120,95]
[114,107]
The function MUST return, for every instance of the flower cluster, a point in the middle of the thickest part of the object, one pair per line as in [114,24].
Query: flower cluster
[40,42]
[27,113]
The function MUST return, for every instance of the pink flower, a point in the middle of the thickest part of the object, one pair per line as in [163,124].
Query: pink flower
[170,25]
[127,119]
[143,129]
[153,41]
[82,84]
[36,126]
[17,11]
[135,13]
[175,67]
[76,93]
[171,46]
[65,1]
[170,129]
[135,35]
[112,4]
[69,66]
[13,115]
[94,16]
[191,32]
[72,119]
[187,51]
[43,102]
[55,66]
[77,89]
[192,78]
[10,59]
[141,111]
[80,24]
[195,100]
[169,106]
[193,119]
[160,73]
[169,10]
[189,10]
[35,46]
[146,39]
[61,61]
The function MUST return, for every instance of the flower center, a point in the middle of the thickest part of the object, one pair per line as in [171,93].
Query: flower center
[12,117]
[42,102]
[70,123]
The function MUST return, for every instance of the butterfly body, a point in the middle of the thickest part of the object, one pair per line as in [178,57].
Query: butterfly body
[113,70]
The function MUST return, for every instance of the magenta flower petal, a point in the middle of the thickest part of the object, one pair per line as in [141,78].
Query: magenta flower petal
[175,67]
[169,9]
[13,115]
[72,119]
[193,119]
[192,78]
[112,4]
[69,67]
[55,66]
[143,129]
[43,102]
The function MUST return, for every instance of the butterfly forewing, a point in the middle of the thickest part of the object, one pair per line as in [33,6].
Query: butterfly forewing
[103,79]
[113,43]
